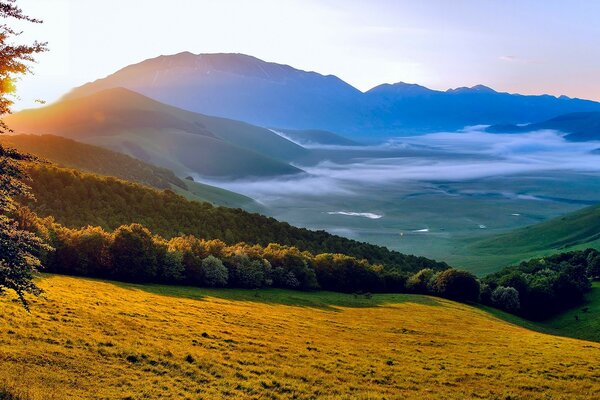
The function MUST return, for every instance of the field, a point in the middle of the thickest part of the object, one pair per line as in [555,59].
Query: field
[96,339]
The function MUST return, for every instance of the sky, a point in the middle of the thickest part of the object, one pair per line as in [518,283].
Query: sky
[526,46]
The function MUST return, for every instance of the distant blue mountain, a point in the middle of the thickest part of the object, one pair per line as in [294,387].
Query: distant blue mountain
[579,126]
[245,88]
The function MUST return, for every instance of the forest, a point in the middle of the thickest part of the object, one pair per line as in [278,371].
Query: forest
[76,199]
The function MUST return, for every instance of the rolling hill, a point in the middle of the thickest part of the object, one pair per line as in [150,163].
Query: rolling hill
[182,141]
[268,94]
[577,230]
[580,127]
[97,339]
[69,153]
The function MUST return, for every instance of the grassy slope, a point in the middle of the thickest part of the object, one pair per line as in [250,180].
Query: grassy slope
[101,161]
[88,338]
[587,326]
[574,231]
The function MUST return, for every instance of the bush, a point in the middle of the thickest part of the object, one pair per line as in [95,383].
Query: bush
[506,298]
[214,273]
[457,285]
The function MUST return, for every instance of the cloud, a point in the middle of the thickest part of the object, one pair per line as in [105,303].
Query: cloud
[438,157]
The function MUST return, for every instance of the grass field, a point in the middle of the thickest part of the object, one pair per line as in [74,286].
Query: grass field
[96,339]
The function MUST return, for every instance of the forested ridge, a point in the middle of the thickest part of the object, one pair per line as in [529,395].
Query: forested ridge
[76,199]
[85,157]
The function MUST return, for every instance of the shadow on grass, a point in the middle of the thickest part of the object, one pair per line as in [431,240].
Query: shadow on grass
[330,301]
[574,323]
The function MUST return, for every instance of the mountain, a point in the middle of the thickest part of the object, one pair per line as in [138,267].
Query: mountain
[163,135]
[580,126]
[237,86]
[70,153]
[268,94]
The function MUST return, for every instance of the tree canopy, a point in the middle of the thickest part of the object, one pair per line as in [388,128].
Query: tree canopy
[19,249]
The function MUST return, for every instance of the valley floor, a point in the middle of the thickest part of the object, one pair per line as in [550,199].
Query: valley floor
[95,339]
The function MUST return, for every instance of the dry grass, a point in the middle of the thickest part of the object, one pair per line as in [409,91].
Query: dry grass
[94,339]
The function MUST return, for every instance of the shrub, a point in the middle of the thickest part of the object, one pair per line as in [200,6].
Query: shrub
[214,272]
[506,298]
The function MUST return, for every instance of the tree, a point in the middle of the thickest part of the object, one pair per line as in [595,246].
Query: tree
[19,249]
[215,273]
[419,282]
[457,285]
[135,254]
[506,298]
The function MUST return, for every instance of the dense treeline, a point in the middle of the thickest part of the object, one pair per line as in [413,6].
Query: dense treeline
[132,253]
[77,199]
[70,153]
[545,286]
[535,289]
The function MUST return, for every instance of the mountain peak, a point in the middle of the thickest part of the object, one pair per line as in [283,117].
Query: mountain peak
[473,89]
[400,88]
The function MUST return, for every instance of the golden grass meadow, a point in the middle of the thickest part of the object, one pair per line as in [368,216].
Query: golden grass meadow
[87,338]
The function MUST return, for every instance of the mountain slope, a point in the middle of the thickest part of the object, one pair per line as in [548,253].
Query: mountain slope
[136,341]
[85,157]
[580,127]
[268,94]
[163,135]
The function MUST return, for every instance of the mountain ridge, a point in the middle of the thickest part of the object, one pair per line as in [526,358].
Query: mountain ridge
[269,94]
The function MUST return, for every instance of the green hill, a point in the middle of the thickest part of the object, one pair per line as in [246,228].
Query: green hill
[77,199]
[101,161]
[180,140]
[574,231]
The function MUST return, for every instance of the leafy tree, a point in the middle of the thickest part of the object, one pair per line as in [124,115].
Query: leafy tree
[19,249]
[419,282]
[506,298]
[457,285]
[593,264]
[215,273]
[134,254]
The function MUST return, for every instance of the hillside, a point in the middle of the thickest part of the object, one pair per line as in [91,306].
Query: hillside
[159,134]
[579,229]
[581,322]
[246,88]
[88,338]
[101,161]
[77,199]
[580,127]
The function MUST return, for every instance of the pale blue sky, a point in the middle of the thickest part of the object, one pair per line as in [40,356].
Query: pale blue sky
[532,47]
